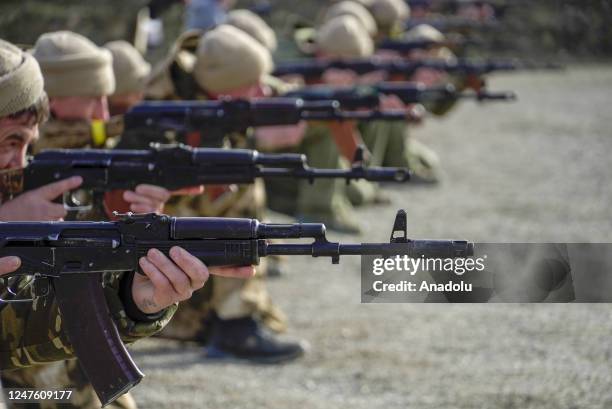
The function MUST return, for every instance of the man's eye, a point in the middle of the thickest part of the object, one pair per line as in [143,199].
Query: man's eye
[9,145]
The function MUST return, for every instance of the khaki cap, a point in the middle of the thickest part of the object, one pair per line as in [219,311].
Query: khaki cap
[21,82]
[356,10]
[227,58]
[73,66]
[424,32]
[254,26]
[344,37]
[130,69]
[387,13]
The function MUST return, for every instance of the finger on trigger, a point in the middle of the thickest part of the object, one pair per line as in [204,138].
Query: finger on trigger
[53,190]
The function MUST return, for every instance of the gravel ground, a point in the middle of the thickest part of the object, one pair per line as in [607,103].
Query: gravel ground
[536,170]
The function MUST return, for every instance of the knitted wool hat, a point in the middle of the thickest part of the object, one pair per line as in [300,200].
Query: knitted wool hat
[227,58]
[254,26]
[74,66]
[130,69]
[344,37]
[424,32]
[389,12]
[21,82]
[355,9]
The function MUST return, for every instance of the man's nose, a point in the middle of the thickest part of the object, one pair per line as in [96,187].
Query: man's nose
[18,159]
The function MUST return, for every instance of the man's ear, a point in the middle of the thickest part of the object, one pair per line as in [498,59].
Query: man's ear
[33,140]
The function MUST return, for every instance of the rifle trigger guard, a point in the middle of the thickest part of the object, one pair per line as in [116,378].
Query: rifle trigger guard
[400,225]
[73,204]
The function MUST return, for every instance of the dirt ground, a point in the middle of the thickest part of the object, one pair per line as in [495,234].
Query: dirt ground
[535,170]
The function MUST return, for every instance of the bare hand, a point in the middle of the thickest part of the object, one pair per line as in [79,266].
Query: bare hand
[429,77]
[278,137]
[9,264]
[391,102]
[416,114]
[188,191]
[372,78]
[338,77]
[37,205]
[174,279]
[147,198]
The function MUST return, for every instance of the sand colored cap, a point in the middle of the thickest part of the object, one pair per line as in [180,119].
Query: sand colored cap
[356,10]
[227,58]
[344,37]
[21,82]
[254,26]
[74,66]
[130,69]
[387,13]
[424,32]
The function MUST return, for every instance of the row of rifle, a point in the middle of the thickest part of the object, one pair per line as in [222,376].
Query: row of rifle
[124,169]
[72,256]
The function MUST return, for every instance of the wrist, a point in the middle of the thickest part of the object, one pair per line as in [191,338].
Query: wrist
[132,310]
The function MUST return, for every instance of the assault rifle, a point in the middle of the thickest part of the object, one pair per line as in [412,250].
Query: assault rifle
[216,119]
[312,70]
[404,46]
[455,24]
[174,167]
[70,257]
[450,6]
[367,96]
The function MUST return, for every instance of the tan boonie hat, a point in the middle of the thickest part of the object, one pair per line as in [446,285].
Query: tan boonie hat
[227,58]
[424,32]
[356,10]
[344,37]
[130,69]
[21,82]
[74,66]
[387,13]
[254,26]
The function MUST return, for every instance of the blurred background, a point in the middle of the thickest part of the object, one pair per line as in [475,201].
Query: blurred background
[576,29]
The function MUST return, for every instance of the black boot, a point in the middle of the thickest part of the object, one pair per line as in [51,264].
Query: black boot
[244,338]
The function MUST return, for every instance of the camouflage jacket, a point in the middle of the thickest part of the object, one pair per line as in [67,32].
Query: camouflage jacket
[31,333]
